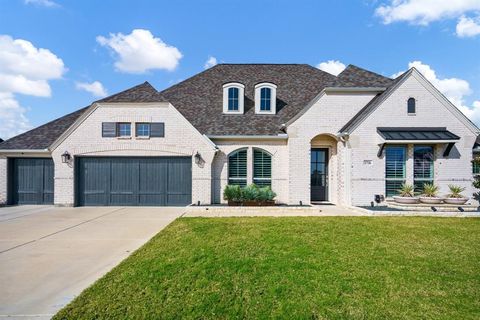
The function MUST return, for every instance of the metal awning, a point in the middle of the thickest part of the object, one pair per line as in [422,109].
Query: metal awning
[415,135]
[430,135]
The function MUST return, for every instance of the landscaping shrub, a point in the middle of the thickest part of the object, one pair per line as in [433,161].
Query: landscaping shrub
[252,192]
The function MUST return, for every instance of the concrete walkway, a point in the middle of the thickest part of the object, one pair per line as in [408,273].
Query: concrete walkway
[49,255]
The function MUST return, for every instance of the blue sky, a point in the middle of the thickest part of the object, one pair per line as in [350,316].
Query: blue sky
[95,42]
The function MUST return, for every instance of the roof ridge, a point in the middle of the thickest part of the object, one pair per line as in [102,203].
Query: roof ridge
[145,83]
[363,69]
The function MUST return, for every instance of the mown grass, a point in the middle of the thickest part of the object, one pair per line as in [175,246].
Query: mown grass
[295,268]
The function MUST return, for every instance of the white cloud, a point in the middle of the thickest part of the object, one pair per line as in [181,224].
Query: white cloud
[140,51]
[454,89]
[468,27]
[331,66]
[96,88]
[211,61]
[12,116]
[24,69]
[44,3]
[422,12]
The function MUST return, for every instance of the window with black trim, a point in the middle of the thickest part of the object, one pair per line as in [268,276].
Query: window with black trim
[262,168]
[237,168]
[233,99]
[422,166]
[124,129]
[411,105]
[395,160]
[142,130]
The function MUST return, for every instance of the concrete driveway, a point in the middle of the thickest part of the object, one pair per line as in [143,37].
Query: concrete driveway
[48,255]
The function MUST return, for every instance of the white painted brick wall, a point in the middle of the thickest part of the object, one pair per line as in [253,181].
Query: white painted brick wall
[181,139]
[279,152]
[326,116]
[368,180]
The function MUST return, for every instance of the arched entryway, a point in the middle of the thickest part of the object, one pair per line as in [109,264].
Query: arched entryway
[322,168]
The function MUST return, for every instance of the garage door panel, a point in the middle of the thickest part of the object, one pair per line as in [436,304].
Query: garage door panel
[93,182]
[152,186]
[32,181]
[179,182]
[123,181]
[155,181]
[48,181]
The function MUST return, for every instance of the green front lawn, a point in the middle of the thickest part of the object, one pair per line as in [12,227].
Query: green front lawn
[295,268]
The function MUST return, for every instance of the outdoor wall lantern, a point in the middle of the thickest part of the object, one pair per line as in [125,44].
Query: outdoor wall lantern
[66,157]
[198,158]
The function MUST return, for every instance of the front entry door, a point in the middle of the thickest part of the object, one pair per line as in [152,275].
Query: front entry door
[319,174]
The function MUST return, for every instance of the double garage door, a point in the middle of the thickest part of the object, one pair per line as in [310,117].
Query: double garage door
[160,181]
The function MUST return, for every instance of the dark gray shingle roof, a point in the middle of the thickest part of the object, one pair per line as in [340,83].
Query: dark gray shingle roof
[144,92]
[354,76]
[42,137]
[200,98]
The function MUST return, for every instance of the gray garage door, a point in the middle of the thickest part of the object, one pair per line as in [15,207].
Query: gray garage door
[31,181]
[160,181]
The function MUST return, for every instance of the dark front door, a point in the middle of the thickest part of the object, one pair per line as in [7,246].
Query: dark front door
[319,174]
[31,181]
[133,181]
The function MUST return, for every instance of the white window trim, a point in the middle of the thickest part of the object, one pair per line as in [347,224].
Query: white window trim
[273,102]
[241,95]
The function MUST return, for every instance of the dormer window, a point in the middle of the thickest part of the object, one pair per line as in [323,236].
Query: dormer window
[265,98]
[233,97]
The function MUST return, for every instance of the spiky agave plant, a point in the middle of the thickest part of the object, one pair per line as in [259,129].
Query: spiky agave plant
[430,190]
[406,190]
[455,191]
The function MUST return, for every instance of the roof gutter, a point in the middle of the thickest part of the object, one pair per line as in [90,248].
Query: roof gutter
[248,137]
[24,151]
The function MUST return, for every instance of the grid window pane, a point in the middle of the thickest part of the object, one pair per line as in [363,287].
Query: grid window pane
[395,159]
[233,99]
[476,167]
[392,187]
[422,166]
[124,129]
[143,129]
[262,168]
[265,99]
[237,168]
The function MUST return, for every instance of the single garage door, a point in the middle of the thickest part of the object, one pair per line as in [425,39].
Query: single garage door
[31,181]
[122,181]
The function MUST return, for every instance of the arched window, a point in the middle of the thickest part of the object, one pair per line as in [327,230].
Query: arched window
[262,168]
[411,105]
[265,99]
[237,168]
[233,98]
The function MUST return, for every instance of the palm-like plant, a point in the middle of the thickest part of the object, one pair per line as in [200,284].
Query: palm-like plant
[407,190]
[430,190]
[455,191]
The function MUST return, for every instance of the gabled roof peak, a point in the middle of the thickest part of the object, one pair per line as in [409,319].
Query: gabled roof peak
[143,92]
